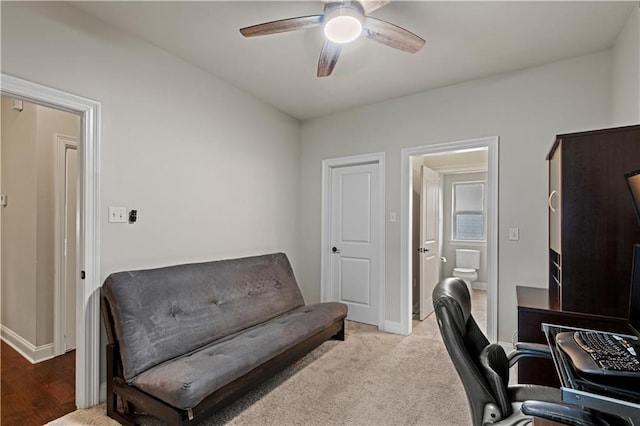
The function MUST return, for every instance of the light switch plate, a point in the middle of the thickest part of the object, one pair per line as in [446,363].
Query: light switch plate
[514,234]
[393,217]
[117,215]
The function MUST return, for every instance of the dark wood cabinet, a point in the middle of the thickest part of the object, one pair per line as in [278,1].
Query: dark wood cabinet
[592,230]
[592,223]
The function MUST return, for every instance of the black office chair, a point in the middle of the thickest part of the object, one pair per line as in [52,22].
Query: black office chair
[484,370]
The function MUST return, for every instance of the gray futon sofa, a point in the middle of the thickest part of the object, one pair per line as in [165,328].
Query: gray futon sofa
[185,340]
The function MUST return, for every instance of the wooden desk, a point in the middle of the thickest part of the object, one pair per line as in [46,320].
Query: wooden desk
[537,421]
[535,306]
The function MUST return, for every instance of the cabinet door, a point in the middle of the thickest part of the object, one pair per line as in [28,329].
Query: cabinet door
[555,200]
[599,226]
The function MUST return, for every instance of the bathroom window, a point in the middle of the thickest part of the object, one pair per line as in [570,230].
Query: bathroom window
[468,211]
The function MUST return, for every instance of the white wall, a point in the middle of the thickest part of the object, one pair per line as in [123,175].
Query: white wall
[213,172]
[19,219]
[526,109]
[625,91]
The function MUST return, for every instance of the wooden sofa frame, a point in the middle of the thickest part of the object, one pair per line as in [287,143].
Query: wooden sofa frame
[125,403]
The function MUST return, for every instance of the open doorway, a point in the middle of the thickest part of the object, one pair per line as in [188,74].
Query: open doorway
[38,233]
[489,191]
[449,226]
[87,362]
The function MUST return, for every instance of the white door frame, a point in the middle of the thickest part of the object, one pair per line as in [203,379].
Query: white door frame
[62,143]
[325,249]
[88,294]
[491,143]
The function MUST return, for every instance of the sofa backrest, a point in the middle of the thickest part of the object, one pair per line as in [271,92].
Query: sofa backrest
[162,313]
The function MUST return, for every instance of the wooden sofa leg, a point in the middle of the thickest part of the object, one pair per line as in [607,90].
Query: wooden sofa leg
[340,334]
[112,396]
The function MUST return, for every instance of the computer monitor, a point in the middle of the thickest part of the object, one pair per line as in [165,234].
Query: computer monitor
[633,179]
[634,297]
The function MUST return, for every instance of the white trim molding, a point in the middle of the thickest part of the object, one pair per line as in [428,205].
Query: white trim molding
[62,143]
[476,285]
[394,327]
[491,143]
[88,300]
[33,354]
[327,165]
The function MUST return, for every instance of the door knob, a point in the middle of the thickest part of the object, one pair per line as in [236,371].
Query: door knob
[335,250]
[422,250]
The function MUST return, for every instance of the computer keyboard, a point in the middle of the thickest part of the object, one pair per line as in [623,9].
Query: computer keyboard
[609,351]
[602,354]
[606,346]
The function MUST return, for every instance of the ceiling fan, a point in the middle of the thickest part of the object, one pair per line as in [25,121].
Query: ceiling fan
[344,21]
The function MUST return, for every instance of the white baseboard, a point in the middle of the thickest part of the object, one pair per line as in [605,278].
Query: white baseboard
[33,354]
[478,285]
[393,327]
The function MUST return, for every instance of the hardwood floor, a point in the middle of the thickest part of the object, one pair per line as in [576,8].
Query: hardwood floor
[34,394]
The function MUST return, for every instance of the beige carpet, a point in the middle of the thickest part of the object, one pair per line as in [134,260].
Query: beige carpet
[371,378]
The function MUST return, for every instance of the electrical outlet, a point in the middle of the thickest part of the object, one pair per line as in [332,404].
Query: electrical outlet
[117,215]
[3,200]
[514,234]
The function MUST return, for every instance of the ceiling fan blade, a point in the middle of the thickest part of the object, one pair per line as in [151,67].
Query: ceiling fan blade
[328,58]
[391,35]
[282,26]
[372,5]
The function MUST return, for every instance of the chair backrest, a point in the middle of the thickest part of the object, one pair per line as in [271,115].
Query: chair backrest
[465,342]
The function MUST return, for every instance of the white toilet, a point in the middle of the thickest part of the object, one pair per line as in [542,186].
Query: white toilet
[467,265]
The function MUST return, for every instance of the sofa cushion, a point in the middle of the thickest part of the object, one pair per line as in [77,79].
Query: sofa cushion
[184,382]
[162,313]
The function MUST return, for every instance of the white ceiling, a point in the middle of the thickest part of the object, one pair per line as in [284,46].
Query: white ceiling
[465,41]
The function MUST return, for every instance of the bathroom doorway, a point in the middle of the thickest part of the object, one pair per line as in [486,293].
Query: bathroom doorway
[467,217]
[460,217]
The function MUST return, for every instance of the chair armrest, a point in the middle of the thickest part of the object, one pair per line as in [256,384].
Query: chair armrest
[528,392]
[568,414]
[528,350]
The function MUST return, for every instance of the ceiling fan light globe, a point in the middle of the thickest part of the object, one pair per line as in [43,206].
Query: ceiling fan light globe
[343,24]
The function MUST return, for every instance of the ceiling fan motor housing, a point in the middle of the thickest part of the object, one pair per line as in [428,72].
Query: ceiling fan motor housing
[343,22]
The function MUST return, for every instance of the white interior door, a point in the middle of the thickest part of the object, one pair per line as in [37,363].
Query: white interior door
[429,239]
[70,253]
[355,241]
